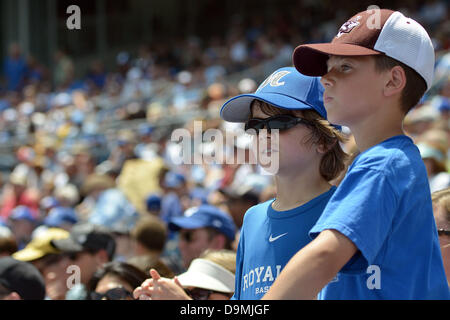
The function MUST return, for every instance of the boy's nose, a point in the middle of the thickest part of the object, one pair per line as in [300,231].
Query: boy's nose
[326,80]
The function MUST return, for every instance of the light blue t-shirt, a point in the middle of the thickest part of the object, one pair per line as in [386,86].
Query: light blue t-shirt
[383,205]
[268,240]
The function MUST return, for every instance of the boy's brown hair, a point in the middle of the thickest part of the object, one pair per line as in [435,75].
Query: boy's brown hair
[323,133]
[415,85]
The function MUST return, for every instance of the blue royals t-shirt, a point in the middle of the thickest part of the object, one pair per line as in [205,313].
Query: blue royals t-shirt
[268,240]
[383,205]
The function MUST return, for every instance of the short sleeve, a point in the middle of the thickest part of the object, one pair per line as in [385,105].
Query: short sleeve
[362,209]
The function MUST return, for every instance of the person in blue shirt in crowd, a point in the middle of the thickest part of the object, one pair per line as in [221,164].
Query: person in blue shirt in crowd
[22,223]
[377,238]
[309,157]
[171,207]
[15,69]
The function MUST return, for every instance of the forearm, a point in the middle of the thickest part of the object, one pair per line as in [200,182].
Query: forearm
[310,269]
[302,278]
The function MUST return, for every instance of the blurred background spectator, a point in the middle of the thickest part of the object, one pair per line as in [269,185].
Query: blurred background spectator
[441,210]
[115,281]
[20,281]
[51,262]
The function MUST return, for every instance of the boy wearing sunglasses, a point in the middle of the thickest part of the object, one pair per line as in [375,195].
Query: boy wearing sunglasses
[287,114]
[377,237]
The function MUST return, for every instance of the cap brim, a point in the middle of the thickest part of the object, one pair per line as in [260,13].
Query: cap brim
[29,254]
[311,59]
[237,109]
[185,223]
[67,245]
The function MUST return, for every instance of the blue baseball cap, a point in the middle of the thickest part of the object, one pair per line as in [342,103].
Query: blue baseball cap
[48,202]
[286,88]
[205,216]
[145,129]
[153,202]
[199,194]
[173,179]
[60,215]
[22,213]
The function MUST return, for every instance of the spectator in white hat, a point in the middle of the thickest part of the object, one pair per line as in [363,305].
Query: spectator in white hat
[210,277]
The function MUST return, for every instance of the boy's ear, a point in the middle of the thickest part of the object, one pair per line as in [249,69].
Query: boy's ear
[322,148]
[396,81]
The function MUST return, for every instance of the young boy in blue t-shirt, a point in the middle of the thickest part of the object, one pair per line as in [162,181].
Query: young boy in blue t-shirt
[309,157]
[288,117]
[376,238]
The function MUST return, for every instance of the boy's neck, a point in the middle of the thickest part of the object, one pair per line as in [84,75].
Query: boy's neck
[365,141]
[296,190]
[375,130]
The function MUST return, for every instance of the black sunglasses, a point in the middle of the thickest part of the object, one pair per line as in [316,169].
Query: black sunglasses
[118,293]
[280,122]
[443,232]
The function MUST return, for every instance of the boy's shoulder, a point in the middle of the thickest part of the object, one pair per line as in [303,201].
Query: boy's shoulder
[396,162]
[257,214]
[260,208]
[396,153]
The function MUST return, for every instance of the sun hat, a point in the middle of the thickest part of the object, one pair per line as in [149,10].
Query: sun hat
[208,275]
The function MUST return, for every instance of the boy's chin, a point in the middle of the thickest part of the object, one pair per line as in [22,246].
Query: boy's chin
[333,117]
[271,168]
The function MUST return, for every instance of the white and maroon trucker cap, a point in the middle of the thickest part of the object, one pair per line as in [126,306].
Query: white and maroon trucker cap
[373,32]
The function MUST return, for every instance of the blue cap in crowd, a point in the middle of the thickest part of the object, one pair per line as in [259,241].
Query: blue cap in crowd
[59,216]
[153,202]
[145,129]
[205,216]
[49,202]
[200,194]
[3,222]
[173,179]
[22,213]
[285,88]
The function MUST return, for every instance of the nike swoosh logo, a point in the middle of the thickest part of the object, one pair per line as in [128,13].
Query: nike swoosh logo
[272,239]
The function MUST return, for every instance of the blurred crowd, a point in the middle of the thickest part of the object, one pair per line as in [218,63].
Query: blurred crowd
[95,197]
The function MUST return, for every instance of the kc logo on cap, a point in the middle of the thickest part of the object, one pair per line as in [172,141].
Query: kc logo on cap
[274,80]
